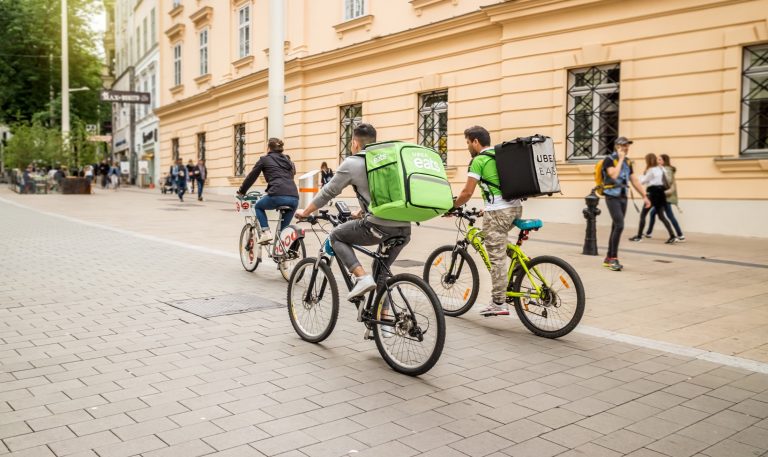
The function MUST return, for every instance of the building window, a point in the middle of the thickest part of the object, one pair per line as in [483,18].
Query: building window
[174,149]
[351,116]
[177,65]
[593,111]
[138,44]
[433,122]
[201,146]
[176,3]
[152,94]
[146,40]
[754,101]
[244,30]
[153,29]
[353,9]
[204,52]
[239,149]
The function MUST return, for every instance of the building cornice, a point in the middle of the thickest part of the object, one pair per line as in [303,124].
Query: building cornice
[419,5]
[175,32]
[202,17]
[176,10]
[353,24]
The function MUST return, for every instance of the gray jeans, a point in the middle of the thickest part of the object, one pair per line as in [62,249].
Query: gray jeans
[361,232]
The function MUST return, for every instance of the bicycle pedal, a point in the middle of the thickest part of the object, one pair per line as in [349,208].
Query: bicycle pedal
[367,335]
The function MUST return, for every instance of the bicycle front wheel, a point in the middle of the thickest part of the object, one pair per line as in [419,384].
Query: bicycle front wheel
[250,255]
[287,263]
[411,332]
[456,282]
[313,310]
[560,305]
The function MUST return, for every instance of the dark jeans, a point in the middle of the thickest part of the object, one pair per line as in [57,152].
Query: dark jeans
[360,232]
[181,187]
[670,215]
[272,202]
[200,183]
[658,202]
[617,208]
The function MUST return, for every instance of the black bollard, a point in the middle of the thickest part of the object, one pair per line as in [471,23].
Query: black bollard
[590,214]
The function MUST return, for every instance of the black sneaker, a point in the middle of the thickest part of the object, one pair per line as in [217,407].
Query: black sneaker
[612,264]
[672,240]
[681,239]
[636,239]
[648,235]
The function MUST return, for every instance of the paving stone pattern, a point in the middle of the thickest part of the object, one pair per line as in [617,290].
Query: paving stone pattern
[94,363]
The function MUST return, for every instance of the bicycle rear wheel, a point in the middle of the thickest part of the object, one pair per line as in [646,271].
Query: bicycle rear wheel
[413,342]
[250,251]
[457,289]
[292,258]
[313,319]
[561,305]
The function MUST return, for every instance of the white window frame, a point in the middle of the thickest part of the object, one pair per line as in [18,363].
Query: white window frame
[244,31]
[354,9]
[203,40]
[177,64]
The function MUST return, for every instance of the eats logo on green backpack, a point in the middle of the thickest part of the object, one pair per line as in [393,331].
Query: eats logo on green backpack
[407,182]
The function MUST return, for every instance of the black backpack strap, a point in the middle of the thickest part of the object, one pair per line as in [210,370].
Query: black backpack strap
[360,197]
[484,181]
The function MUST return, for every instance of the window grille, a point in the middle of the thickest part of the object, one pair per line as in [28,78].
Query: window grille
[201,146]
[239,149]
[351,116]
[754,101]
[593,111]
[174,149]
[433,122]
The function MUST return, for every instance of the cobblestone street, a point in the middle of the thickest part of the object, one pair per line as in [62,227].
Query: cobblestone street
[96,362]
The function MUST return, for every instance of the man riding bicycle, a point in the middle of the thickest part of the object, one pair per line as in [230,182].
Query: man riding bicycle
[499,214]
[366,229]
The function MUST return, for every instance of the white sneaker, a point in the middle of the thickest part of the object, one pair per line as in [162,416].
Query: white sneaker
[265,238]
[363,284]
[495,310]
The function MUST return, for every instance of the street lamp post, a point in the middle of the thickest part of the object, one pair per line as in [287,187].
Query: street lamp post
[64,76]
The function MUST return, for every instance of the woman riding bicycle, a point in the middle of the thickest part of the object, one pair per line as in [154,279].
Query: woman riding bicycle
[281,189]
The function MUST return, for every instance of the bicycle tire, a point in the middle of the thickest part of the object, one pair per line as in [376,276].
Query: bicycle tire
[241,248]
[578,312]
[285,267]
[443,290]
[439,324]
[297,275]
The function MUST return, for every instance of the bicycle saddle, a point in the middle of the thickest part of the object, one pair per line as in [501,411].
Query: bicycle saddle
[394,241]
[529,224]
[284,208]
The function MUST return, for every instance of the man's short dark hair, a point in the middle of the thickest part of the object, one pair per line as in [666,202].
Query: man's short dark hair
[478,133]
[365,134]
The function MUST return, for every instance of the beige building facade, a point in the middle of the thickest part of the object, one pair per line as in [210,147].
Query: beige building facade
[688,78]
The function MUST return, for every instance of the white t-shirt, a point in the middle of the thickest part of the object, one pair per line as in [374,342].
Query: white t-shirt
[653,177]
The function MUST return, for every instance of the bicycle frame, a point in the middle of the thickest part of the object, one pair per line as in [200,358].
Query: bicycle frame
[475,238]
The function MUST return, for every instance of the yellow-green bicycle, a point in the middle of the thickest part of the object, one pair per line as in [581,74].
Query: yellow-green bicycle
[547,293]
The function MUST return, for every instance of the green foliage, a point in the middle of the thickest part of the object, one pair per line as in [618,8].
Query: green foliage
[30,65]
[33,143]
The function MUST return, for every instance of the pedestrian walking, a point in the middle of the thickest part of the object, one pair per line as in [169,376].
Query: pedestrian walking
[618,173]
[671,194]
[200,174]
[179,173]
[114,176]
[191,176]
[325,174]
[104,173]
[281,189]
[88,173]
[655,184]
[498,217]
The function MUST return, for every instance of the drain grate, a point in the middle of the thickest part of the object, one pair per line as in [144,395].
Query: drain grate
[409,263]
[224,305]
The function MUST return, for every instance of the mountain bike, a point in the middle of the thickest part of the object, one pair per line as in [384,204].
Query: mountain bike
[285,249]
[546,291]
[403,314]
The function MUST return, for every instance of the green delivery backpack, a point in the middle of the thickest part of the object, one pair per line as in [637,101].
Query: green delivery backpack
[407,182]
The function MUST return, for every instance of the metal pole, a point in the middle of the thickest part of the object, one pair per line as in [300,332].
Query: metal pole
[64,77]
[276,68]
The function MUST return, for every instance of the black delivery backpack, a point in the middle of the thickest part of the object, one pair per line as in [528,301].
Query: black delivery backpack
[527,167]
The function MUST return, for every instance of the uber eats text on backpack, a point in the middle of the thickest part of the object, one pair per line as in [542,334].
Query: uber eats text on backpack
[407,182]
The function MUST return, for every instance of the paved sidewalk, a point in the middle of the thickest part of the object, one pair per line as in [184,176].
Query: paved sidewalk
[94,362]
[666,293]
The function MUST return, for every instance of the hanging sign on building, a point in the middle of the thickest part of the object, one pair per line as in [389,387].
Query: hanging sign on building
[121,96]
